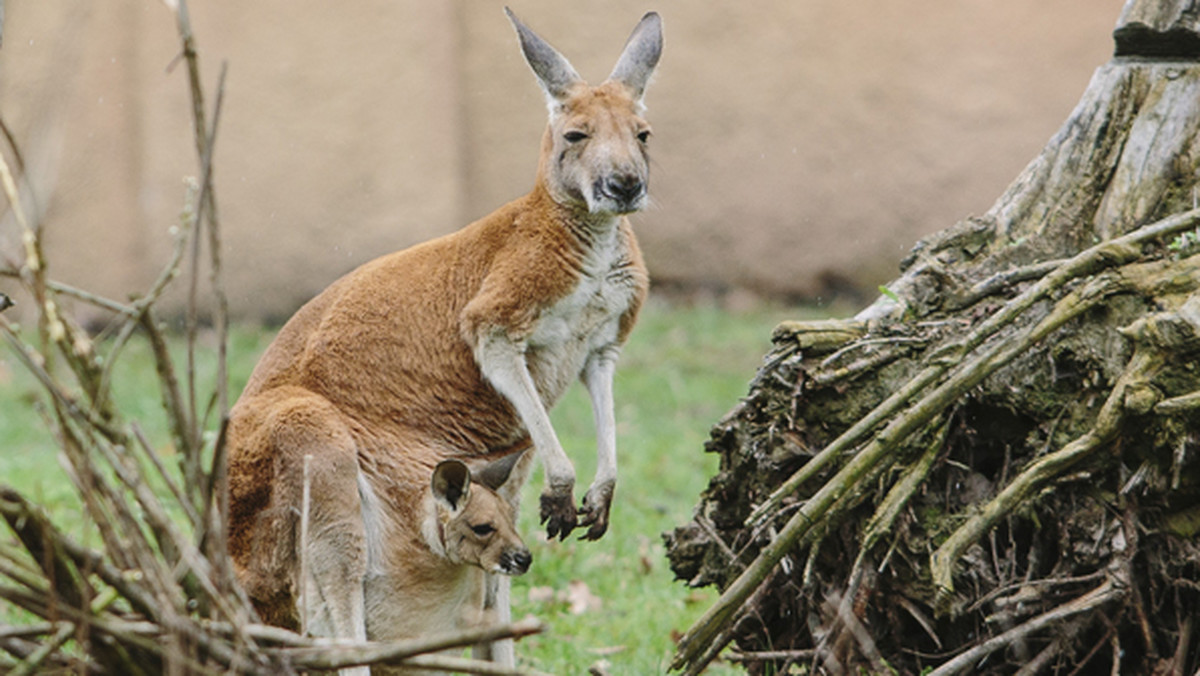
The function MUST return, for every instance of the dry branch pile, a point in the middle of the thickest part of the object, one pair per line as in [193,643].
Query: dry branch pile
[160,595]
[994,469]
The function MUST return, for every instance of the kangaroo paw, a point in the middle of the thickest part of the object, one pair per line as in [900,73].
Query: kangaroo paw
[558,514]
[595,510]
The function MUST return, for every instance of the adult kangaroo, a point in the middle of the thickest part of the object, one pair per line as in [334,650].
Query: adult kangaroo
[453,349]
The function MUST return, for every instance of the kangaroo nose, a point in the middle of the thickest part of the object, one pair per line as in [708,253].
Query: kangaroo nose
[517,562]
[625,187]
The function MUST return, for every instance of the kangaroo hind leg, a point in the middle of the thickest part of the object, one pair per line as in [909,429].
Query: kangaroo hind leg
[319,473]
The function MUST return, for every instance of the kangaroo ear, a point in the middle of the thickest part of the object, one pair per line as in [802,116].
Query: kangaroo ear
[637,62]
[553,71]
[495,473]
[451,483]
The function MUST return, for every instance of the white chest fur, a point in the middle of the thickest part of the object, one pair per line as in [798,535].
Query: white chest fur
[585,320]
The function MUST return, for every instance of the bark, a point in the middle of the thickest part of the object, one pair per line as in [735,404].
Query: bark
[995,463]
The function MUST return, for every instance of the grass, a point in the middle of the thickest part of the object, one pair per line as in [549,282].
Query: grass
[613,600]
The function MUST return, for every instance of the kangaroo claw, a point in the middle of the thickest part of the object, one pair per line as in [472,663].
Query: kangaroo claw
[595,511]
[558,514]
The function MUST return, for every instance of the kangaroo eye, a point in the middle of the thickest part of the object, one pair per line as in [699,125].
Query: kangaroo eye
[574,136]
[644,136]
[484,529]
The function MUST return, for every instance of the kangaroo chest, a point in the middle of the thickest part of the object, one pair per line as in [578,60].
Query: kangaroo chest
[585,320]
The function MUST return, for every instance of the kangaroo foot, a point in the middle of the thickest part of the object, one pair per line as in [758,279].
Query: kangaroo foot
[594,511]
[558,513]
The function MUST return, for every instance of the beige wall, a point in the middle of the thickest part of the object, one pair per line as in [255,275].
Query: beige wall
[797,142]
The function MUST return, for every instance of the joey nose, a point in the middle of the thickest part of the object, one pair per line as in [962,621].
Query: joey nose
[516,562]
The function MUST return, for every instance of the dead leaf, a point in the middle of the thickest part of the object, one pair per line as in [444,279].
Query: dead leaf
[580,599]
[541,594]
[644,555]
[647,565]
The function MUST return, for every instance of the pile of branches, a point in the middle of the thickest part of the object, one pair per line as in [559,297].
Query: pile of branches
[160,595]
[994,469]
[1003,503]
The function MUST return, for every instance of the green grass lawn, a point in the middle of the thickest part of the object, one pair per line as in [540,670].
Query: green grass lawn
[613,600]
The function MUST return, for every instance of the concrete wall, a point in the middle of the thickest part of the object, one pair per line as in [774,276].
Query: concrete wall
[799,144]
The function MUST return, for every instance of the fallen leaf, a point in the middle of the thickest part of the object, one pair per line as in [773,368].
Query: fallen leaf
[644,555]
[541,594]
[580,599]
[647,565]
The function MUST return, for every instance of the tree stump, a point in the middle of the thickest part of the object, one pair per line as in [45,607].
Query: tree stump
[993,468]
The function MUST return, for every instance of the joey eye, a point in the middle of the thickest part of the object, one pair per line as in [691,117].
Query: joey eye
[574,136]
[644,136]
[483,529]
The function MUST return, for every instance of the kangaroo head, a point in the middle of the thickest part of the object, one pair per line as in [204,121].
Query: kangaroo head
[474,525]
[594,154]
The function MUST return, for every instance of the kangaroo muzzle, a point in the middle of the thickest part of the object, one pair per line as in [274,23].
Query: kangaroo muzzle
[515,561]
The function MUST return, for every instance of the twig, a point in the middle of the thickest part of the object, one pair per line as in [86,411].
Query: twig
[708,528]
[172,396]
[168,480]
[841,608]
[920,617]
[1181,404]
[32,663]
[902,491]
[1000,591]
[27,631]
[205,212]
[1002,280]
[342,656]
[1106,592]
[865,364]
[77,293]
[462,665]
[770,655]
[1179,658]
[886,341]
[214,248]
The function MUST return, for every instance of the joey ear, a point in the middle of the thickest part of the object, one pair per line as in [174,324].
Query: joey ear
[495,473]
[640,56]
[553,71]
[451,483]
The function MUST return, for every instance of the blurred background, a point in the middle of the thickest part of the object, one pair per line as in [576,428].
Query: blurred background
[801,146]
